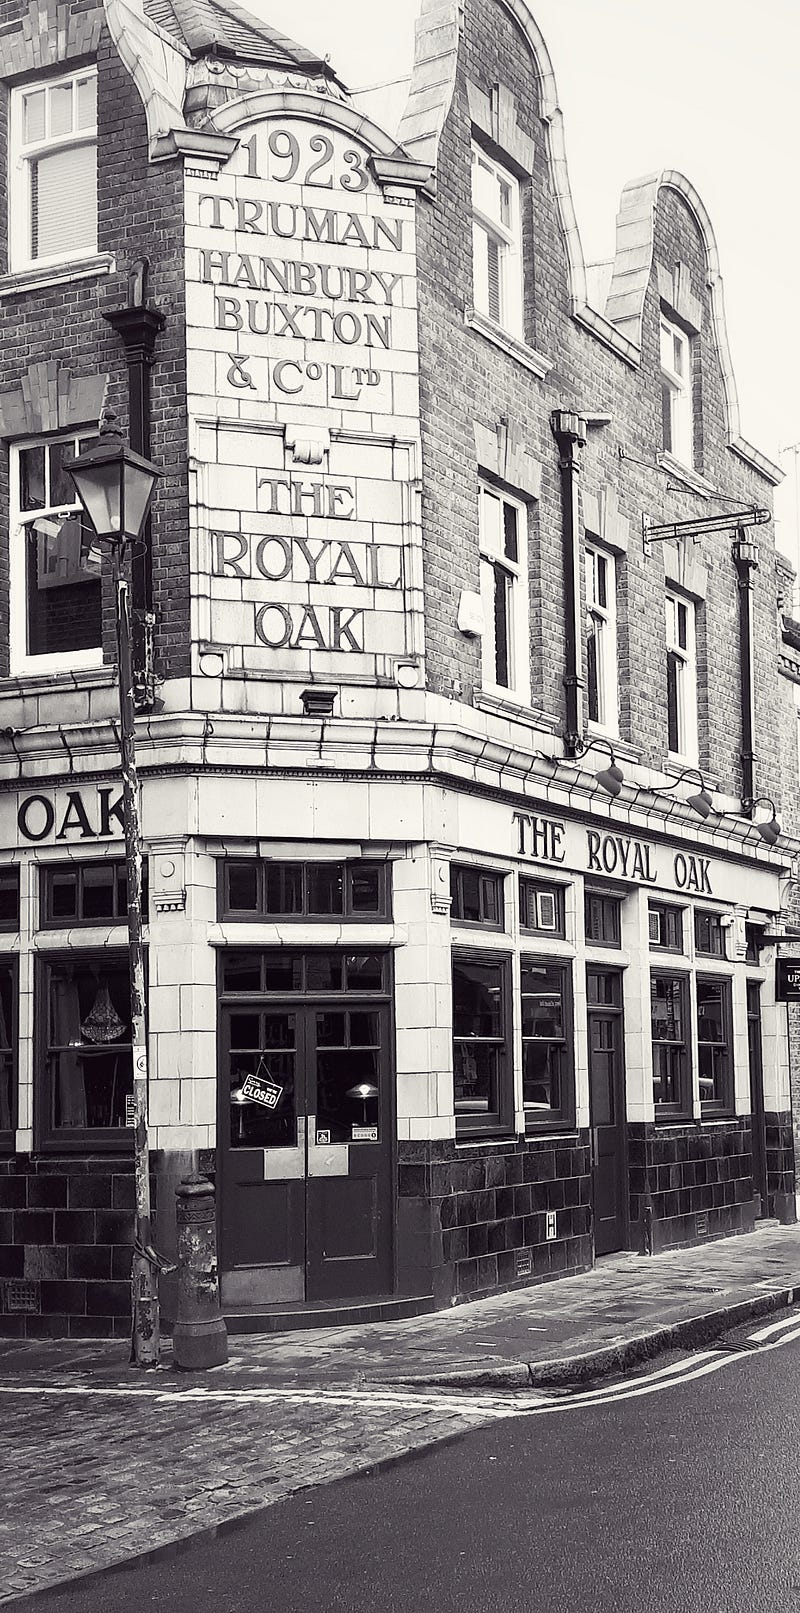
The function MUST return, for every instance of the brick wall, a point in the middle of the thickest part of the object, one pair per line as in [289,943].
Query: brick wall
[140,210]
[466,378]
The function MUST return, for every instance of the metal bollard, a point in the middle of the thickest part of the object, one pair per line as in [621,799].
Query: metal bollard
[199,1338]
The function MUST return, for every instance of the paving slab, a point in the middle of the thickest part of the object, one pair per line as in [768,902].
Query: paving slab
[628,1308]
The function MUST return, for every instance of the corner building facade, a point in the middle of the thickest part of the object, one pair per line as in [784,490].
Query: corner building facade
[464,877]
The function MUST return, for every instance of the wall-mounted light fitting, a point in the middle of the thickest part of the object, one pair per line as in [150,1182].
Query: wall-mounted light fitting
[611,778]
[702,802]
[768,828]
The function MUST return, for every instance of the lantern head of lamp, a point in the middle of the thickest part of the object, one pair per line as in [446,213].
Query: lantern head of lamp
[611,778]
[768,828]
[702,802]
[115,486]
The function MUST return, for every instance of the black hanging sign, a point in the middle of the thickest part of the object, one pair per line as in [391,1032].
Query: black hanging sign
[787,980]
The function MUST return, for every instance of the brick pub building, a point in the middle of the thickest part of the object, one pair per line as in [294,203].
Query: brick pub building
[457,637]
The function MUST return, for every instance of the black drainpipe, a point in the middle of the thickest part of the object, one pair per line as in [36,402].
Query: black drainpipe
[569,431]
[139,325]
[745,556]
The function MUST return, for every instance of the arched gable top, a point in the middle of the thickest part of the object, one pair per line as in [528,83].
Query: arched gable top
[633,263]
[234,117]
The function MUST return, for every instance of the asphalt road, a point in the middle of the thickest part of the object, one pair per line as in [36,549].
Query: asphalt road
[681,1501]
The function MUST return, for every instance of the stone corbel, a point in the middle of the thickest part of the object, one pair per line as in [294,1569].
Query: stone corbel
[441,857]
[167,865]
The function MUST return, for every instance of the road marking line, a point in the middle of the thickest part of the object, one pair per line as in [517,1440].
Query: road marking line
[774,1327]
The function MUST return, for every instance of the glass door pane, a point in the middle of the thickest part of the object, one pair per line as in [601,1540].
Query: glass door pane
[262,1074]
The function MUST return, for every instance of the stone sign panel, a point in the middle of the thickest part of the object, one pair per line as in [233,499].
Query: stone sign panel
[303,395]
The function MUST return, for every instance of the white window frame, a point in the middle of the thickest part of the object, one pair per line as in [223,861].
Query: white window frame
[21,157]
[601,615]
[22,663]
[501,570]
[676,383]
[504,234]
[678,626]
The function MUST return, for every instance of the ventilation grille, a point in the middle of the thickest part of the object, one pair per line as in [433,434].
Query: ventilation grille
[20,1297]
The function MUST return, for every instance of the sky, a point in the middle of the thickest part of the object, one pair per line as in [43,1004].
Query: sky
[709,87]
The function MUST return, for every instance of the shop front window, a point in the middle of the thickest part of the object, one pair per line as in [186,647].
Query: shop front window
[670,1044]
[8,997]
[714,1051]
[88,1069]
[546,1042]
[481,1044]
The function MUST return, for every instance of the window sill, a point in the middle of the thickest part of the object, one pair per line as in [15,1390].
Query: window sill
[515,707]
[685,474]
[513,346]
[41,682]
[55,274]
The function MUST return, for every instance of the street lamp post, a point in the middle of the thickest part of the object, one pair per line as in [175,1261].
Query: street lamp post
[115,487]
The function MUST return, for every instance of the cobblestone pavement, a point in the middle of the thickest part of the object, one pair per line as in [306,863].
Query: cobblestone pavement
[94,1476]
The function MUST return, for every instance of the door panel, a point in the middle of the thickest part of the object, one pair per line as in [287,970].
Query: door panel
[607,1109]
[348,1213]
[305,1150]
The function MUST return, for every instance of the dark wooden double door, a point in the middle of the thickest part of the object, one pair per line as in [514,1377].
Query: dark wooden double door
[607,1109]
[305,1156]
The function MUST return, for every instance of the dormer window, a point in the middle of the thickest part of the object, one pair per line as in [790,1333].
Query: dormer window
[676,391]
[53,170]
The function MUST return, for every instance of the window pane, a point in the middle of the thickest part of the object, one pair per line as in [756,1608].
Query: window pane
[64,894]
[666,1000]
[347,1090]
[62,487]
[89,1044]
[32,488]
[325,888]
[510,544]
[542,1064]
[61,109]
[502,627]
[324,971]
[673,703]
[364,971]
[283,888]
[33,116]
[6,1047]
[263,1049]
[9,899]
[86,103]
[493,276]
[64,602]
[99,886]
[592,679]
[283,971]
[542,1006]
[477,999]
[476,1078]
[241,971]
[64,202]
[365,890]
[242,881]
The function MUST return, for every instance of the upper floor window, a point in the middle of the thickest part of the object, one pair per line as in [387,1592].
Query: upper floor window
[541,907]
[681,678]
[252,888]
[476,896]
[53,170]
[496,242]
[709,935]
[56,600]
[666,927]
[86,893]
[603,915]
[676,391]
[601,639]
[504,594]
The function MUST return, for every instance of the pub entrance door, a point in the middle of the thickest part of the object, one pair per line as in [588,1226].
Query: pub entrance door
[758,1122]
[607,1109]
[305,1127]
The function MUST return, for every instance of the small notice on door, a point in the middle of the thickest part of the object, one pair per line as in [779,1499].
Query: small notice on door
[258,1090]
[365,1134]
